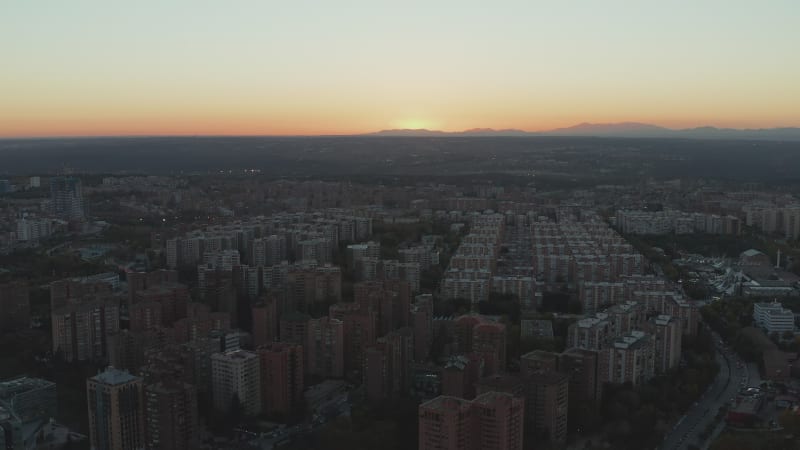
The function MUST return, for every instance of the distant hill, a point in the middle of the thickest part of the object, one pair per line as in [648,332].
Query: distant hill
[493,132]
[622,130]
[610,129]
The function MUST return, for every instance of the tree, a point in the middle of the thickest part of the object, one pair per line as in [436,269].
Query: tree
[730,442]
[790,421]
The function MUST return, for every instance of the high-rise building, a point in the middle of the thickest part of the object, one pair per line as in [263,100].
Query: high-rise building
[144,316]
[200,352]
[510,384]
[66,198]
[500,418]
[168,363]
[585,390]
[171,416]
[590,333]
[116,411]
[281,376]
[447,423]
[294,327]
[389,299]
[460,374]
[80,330]
[127,349]
[236,378]
[325,348]
[493,421]
[269,250]
[172,298]
[309,285]
[538,361]
[218,291]
[628,358]
[422,323]
[462,331]
[399,300]
[359,333]
[265,322]
[489,341]
[383,368]
[140,281]
[668,336]
[547,405]
[67,291]
[356,252]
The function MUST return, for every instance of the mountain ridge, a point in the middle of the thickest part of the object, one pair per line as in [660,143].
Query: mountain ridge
[617,129]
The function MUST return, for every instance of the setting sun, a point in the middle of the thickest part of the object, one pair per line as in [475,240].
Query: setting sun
[414,124]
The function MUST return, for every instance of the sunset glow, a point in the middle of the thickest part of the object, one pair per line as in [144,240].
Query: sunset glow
[261,68]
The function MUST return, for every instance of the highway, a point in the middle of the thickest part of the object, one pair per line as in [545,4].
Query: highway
[732,374]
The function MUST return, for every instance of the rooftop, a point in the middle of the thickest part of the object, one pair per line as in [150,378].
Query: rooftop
[631,340]
[752,252]
[488,398]
[114,376]
[591,322]
[445,403]
[235,354]
[501,382]
[662,319]
[748,405]
[23,384]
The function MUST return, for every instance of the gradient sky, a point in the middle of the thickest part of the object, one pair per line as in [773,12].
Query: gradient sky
[327,67]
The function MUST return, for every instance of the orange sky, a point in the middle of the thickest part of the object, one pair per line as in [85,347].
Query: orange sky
[259,68]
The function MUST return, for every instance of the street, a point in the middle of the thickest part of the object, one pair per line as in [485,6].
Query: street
[733,374]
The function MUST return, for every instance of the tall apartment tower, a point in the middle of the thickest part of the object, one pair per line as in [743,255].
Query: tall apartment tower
[446,423]
[171,416]
[294,327]
[668,336]
[80,331]
[281,376]
[422,322]
[547,405]
[236,374]
[325,348]
[116,411]
[500,418]
[66,198]
[493,421]
[489,341]
[265,322]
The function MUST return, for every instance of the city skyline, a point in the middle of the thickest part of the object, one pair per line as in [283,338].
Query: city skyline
[89,69]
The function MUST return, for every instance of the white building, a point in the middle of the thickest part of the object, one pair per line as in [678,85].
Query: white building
[223,260]
[236,373]
[773,317]
[31,230]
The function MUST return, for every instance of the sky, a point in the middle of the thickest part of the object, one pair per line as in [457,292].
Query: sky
[197,67]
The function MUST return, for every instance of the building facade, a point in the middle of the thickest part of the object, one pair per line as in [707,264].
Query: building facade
[235,378]
[116,411]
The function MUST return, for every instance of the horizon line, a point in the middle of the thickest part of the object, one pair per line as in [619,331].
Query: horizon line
[385,130]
